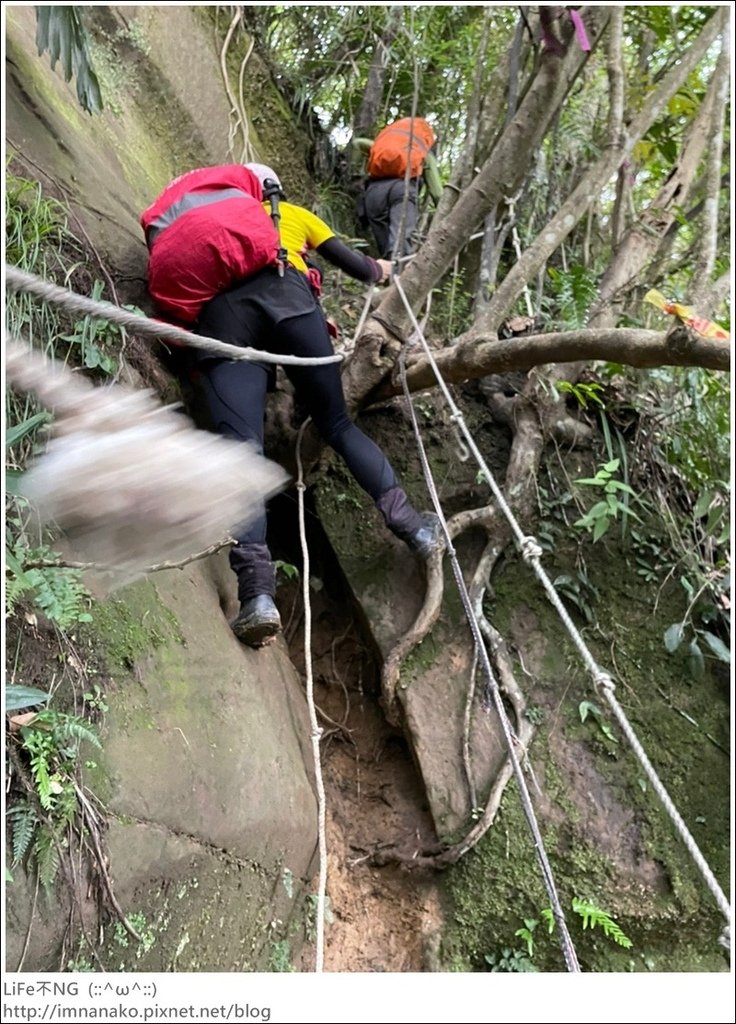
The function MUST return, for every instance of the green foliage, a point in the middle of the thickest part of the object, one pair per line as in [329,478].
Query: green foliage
[280,957]
[17,697]
[592,916]
[312,903]
[325,60]
[57,592]
[27,426]
[49,744]
[94,700]
[97,341]
[598,519]
[511,961]
[289,571]
[573,293]
[122,937]
[23,822]
[51,741]
[691,631]
[38,240]
[59,30]
[527,934]
[579,590]
[452,305]
[46,856]
[583,393]
[587,707]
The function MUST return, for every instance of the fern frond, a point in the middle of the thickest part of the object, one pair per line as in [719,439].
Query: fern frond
[15,588]
[74,728]
[40,772]
[593,915]
[23,820]
[47,857]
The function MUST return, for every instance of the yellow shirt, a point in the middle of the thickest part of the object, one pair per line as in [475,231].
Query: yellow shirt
[300,231]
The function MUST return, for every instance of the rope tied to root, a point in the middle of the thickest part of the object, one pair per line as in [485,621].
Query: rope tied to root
[568,948]
[604,682]
[530,549]
[531,552]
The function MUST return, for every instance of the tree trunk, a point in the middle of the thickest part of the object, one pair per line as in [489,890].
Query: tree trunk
[588,191]
[366,120]
[500,176]
[706,259]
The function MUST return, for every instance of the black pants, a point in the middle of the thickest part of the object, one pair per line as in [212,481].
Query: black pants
[384,205]
[280,315]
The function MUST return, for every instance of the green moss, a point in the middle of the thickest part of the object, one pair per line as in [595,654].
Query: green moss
[673,923]
[127,630]
[419,660]
[36,75]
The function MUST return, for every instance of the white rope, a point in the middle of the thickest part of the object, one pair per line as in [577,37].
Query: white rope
[481,652]
[351,342]
[19,280]
[511,203]
[532,552]
[316,732]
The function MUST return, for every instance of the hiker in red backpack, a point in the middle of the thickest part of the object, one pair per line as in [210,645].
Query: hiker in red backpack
[390,201]
[273,308]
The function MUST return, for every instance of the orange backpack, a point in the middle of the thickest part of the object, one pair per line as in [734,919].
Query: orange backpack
[404,141]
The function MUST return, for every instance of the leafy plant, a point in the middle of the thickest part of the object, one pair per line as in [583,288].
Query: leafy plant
[17,697]
[49,743]
[527,934]
[587,707]
[286,569]
[59,30]
[56,591]
[599,518]
[592,917]
[583,393]
[51,740]
[573,292]
[93,337]
[512,961]
[280,957]
[311,916]
[579,590]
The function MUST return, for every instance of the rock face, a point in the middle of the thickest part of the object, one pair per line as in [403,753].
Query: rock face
[205,774]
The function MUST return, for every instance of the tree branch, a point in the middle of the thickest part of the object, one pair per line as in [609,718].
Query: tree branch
[479,354]
[500,176]
[588,190]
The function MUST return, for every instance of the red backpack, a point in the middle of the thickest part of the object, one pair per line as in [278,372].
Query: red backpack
[206,231]
[405,141]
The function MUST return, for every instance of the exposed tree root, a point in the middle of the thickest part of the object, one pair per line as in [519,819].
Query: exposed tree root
[428,613]
[527,413]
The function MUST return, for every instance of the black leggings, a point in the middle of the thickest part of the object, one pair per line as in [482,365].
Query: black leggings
[235,393]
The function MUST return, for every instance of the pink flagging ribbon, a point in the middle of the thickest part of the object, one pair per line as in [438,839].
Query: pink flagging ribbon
[582,35]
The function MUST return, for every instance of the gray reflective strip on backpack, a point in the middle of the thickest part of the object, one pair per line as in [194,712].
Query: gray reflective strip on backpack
[190,201]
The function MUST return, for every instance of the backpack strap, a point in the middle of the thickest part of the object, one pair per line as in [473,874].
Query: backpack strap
[272,192]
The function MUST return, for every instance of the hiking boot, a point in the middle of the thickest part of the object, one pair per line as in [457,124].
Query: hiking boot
[258,621]
[428,540]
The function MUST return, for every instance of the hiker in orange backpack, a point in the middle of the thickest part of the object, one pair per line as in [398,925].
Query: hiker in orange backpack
[390,201]
[273,308]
